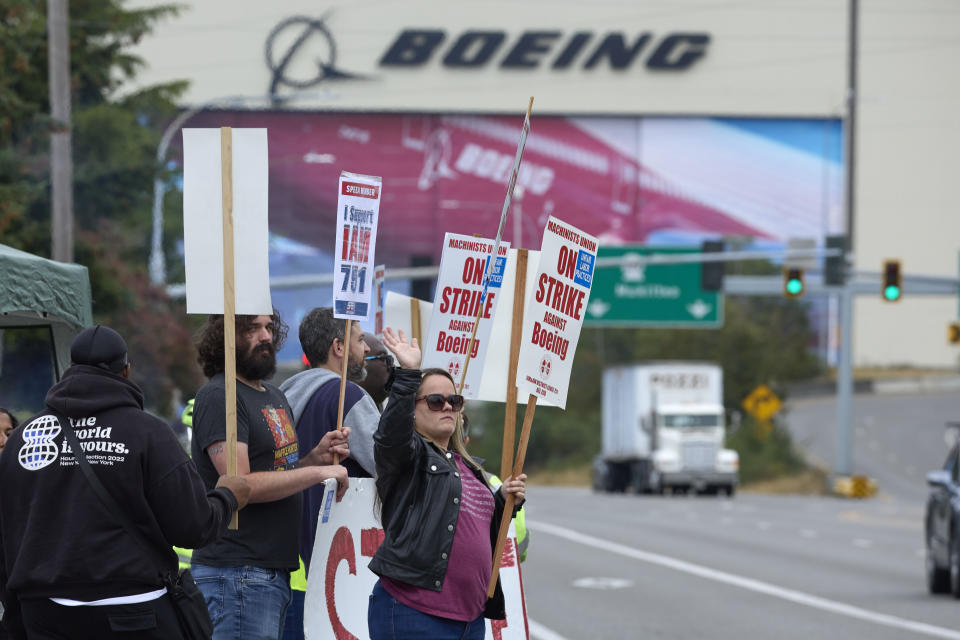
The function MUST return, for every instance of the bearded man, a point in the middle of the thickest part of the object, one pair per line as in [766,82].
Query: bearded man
[245,576]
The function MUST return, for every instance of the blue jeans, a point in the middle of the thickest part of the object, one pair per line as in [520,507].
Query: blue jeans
[293,627]
[390,619]
[245,603]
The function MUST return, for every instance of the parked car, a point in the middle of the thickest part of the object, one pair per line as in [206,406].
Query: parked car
[942,526]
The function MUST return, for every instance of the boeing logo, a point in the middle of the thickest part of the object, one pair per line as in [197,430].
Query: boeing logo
[306,41]
[534,49]
[301,52]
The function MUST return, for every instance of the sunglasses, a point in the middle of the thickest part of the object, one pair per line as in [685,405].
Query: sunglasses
[436,401]
[386,357]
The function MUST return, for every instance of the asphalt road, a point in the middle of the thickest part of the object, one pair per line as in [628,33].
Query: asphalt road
[897,439]
[755,566]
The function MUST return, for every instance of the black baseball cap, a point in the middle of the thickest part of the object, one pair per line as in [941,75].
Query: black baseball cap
[100,346]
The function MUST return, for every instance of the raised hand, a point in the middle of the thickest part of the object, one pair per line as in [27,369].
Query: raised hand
[407,353]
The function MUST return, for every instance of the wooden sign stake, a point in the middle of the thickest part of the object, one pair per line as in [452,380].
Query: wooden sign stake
[343,380]
[508,509]
[415,328]
[516,335]
[229,302]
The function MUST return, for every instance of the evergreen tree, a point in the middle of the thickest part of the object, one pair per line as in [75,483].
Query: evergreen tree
[115,133]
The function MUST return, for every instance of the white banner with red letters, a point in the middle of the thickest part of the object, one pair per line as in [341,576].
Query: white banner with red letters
[456,304]
[358,211]
[554,315]
[339,583]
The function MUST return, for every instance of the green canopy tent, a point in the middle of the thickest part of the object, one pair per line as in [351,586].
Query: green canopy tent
[37,293]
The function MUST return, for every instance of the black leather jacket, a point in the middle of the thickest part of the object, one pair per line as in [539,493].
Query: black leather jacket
[419,487]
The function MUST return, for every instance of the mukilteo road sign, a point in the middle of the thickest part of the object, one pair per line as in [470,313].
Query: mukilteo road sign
[651,295]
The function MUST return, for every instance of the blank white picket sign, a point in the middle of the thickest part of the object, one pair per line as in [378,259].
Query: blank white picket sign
[203,221]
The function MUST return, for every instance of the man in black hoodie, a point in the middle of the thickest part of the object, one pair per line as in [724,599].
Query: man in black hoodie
[68,567]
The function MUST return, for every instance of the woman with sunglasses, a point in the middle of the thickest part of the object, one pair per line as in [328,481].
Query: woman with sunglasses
[440,518]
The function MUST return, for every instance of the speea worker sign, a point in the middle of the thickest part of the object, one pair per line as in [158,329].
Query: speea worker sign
[554,315]
[456,305]
[358,211]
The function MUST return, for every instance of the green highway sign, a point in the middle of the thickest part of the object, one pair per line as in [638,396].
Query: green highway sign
[651,295]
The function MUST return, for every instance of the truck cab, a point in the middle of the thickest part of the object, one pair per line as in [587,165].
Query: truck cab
[688,450]
[663,430]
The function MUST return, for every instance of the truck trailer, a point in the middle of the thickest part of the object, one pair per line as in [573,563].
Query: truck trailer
[663,430]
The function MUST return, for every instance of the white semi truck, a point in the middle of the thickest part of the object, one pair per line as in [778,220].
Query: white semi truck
[663,430]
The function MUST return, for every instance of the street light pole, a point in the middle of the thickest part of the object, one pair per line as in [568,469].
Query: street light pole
[158,264]
[844,417]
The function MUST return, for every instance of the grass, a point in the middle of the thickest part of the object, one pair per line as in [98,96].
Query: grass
[810,482]
[573,476]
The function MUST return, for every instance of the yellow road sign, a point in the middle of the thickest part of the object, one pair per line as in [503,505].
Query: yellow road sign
[762,403]
[953,333]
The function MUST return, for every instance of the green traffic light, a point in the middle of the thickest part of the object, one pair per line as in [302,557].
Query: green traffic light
[794,286]
[891,292]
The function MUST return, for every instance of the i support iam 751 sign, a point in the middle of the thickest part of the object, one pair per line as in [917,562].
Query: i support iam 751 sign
[554,316]
[358,210]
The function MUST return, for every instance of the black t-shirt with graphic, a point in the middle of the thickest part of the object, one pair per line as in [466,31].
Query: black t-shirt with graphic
[268,533]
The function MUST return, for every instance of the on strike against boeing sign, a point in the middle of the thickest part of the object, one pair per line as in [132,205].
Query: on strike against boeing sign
[554,316]
[358,210]
[457,303]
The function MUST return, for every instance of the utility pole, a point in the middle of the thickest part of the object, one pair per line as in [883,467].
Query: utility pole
[844,435]
[61,161]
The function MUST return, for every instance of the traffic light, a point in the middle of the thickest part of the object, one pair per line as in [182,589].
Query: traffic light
[953,333]
[835,266]
[711,273]
[891,287]
[793,286]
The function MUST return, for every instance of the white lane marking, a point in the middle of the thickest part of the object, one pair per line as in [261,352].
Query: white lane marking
[758,586]
[540,632]
[602,583]
[863,543]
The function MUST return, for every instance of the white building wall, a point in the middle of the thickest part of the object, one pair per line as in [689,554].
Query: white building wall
[908,200]
[771,58]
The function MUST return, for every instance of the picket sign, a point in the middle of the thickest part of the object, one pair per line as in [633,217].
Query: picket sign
[400,312]
[339,583]
[555,313]
[461,322]
[205,183]
[551,330]
[496,368]
[358,212]
[225,178]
